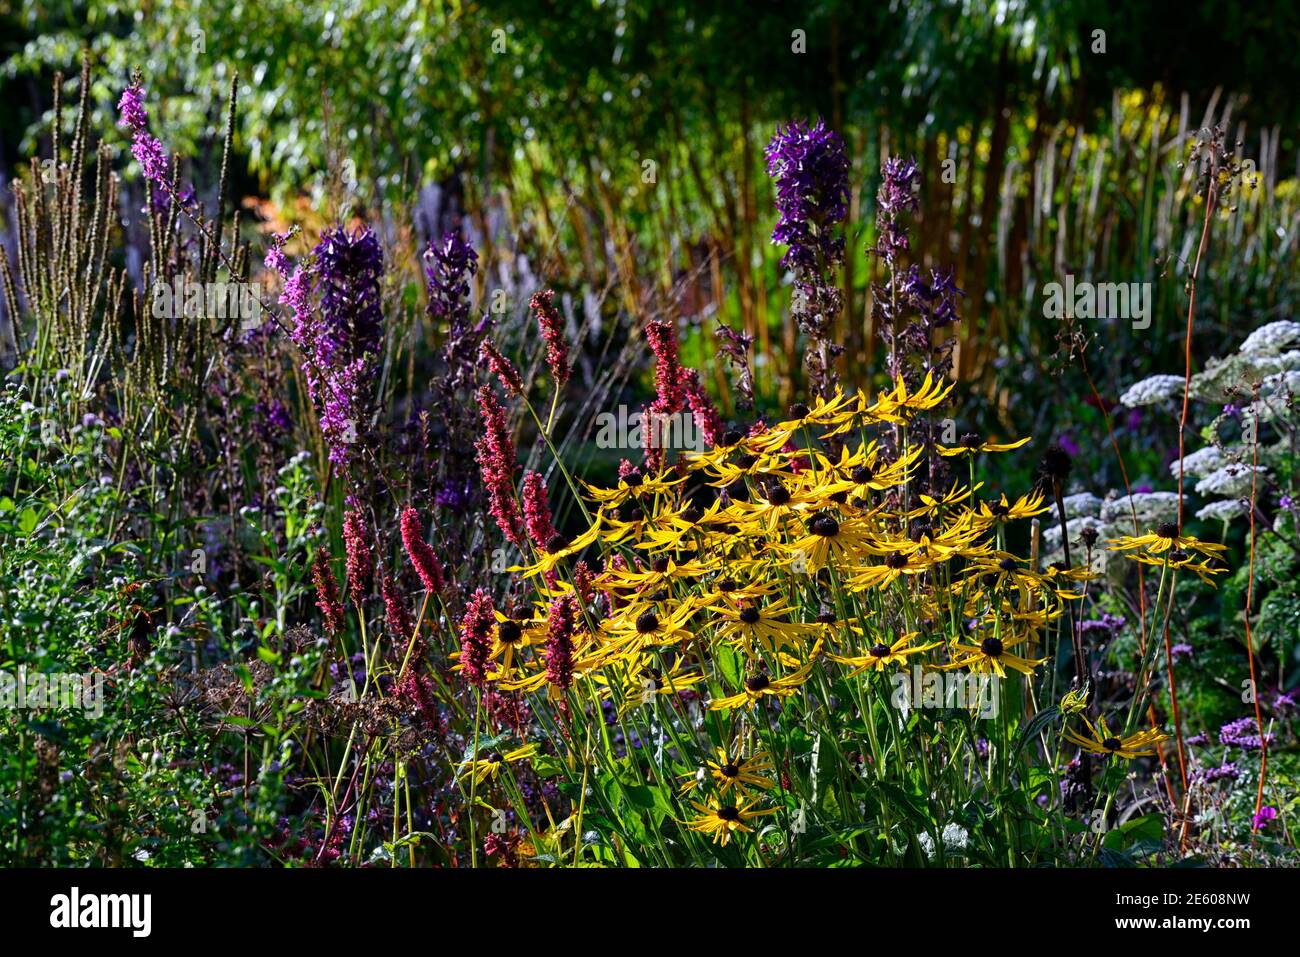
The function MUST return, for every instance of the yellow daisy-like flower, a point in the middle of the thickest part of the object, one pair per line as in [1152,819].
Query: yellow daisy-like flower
[761,683]
[829,541]
[1183,561]
[510,638]
[634,486]
[645,681]
[1026,506]
[881,656]
[1144,743]
[556,552]
[898,405]
[762,625]
[490,766]
[734,772]
[1167,537]
[971,444]
[720,820]
[992,654]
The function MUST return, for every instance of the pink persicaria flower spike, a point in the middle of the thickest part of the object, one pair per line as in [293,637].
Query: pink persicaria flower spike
[669,374]
[420,552]
[327,592]
[496,462]
[537,513]
[559,641]
[395,614]
[476,636]
[501,367]
[706,416]
[552,325]
[360,563]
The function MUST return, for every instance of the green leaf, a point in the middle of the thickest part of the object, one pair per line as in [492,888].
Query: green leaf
[1036,724]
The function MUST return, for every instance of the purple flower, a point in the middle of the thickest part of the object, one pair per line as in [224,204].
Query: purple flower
[451,265]
[897,195]
[811,172]
[1227,770]
[132,109]
[1180,651]
[1265,815]
[340,343]
[1243,733]
[1071,447]
[151,156]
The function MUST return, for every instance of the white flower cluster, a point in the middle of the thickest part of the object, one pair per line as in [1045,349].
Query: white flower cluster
[1201,462]
[1152,508]
[1271,339]
[1231,480]
[1081,503]
[1222,511]
[1149,391]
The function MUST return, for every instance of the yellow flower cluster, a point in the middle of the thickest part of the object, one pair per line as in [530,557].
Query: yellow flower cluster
[775,554]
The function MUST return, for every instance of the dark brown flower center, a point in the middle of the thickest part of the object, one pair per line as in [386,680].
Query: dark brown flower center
[749,616]
[556,543]
[896,561]
[1007,564]
[1167,530]
[509,632]
[863,474]
[730,771]
[728,813]
[660,564]
[778,494]
[880,651]
[825,526]
[647,623]
[758,682]
[799,411]
[1111,744]
[991,647]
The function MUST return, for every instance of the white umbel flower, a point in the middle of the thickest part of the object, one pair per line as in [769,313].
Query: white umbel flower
[1231,480]
[1152,508]
[1082,503]
[1151,390]
[1075,526]
[1201,462]
[1271,339]
[1224,511]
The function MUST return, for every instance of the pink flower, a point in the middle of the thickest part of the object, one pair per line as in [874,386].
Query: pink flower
[399,622]
[420,552]
[476,636]
[559,641]
[557,349]
[496,462]
[360,563]
[501,367]
[327,592]
[537,513]
[706,416]
[662,337]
